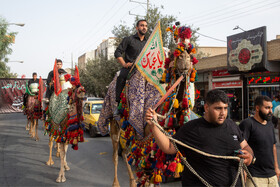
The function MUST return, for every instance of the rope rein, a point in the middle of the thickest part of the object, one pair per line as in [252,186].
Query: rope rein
[241,166]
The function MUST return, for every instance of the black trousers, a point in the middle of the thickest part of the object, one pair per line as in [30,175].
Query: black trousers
[49,92]
[121,82]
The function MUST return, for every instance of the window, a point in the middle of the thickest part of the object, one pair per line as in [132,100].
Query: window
[87,108]
[96,108]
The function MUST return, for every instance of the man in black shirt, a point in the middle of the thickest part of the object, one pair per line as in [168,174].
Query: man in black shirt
[50,87]
[130,46]
[259,133]
[212,133]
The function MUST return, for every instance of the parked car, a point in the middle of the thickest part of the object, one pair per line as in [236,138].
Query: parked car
[91,111]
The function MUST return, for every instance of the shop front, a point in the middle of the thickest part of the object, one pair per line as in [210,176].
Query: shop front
[233,87]
[261,84]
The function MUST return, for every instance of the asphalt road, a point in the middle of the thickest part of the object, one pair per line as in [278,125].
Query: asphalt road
[22,159]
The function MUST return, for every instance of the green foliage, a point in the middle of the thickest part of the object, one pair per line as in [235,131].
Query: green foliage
[6,40]
[153,16]
[97,76]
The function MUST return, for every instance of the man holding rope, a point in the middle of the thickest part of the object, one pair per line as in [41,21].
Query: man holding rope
[259,132]
[213,134]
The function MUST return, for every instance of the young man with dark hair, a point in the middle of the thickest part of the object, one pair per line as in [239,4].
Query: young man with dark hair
[50,87]
[33,83]
[212,133]
[130,47]
[259,133]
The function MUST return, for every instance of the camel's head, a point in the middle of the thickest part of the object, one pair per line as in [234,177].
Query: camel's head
[81,92]
[183,63]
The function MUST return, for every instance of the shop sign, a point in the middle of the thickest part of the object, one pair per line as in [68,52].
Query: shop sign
[220,73]
[264,80]
[228,84]
[246,51]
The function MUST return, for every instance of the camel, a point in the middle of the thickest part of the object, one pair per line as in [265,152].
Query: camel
[34,113]
[139,95]
[64,120]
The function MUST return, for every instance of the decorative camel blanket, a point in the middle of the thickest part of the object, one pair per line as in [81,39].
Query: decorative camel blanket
[140,94]
[58,107]
[33,109]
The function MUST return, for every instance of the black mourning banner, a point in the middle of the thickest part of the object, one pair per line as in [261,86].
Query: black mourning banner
[247,51]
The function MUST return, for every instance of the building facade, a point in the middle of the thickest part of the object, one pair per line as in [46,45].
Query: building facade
[106,49]
[213,73]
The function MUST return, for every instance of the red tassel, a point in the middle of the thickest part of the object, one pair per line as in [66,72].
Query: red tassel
[170,122]
[159,164]
[75,147]
[185,103]
[125,113]
[172,166]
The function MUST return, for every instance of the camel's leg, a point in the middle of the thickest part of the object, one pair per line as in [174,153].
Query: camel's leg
[27,125]
[50,161]
[32,128]
[57,150]
[36,130]
[115,136]
[61,175]
[66,167]
[130,173]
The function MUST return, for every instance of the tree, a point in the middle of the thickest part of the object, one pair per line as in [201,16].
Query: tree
[152,18]
[6,40]
[97,75]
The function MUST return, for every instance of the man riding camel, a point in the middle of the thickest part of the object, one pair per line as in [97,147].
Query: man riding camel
[132,47]
[50,87]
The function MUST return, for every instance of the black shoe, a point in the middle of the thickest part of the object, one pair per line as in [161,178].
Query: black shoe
[116,113]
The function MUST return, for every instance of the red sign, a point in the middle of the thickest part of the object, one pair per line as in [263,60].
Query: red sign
[228,84]
[219,73]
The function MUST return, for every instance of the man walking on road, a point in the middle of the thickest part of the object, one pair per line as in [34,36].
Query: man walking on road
[259,133]
[212,133]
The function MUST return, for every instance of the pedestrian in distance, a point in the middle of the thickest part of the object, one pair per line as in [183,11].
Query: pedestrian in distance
[212,133]
[276,114]
[130,47]
[259,133]
[275,102]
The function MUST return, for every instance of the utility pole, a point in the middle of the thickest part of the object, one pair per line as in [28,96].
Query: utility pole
[147,3]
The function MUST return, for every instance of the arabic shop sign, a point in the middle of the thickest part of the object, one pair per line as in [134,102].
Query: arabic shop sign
[264,80]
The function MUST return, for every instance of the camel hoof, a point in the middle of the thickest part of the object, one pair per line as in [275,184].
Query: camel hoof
[67,168]
[116,184]
[36,139]
[50,163]
[60,179]
[133,183]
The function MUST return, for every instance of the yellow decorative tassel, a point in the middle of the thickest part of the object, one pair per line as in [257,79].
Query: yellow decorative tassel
[163,77]
[176,103]
[158,178]
[75,142]
[179,168]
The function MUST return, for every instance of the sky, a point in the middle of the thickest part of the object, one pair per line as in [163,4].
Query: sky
[66,29]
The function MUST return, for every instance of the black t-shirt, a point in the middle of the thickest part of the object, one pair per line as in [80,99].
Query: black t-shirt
[261,139]
[214,139]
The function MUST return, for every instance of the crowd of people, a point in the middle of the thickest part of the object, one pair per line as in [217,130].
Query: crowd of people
[215,134]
